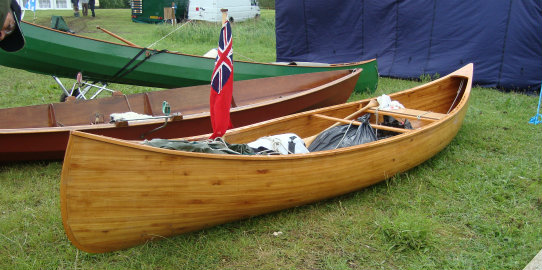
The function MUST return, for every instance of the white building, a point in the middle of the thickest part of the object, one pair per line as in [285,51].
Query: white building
[48,4]
[51,4]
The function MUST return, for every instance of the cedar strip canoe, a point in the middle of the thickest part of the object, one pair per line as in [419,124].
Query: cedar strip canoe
[41,132]
[115,194]
[52,52]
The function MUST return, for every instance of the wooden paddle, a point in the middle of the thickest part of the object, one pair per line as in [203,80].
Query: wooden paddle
[116,36]
[372,103]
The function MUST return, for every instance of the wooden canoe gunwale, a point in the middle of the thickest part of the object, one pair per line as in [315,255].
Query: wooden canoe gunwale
[271,185]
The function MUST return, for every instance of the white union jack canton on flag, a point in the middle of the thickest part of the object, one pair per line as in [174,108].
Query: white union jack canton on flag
[224,60]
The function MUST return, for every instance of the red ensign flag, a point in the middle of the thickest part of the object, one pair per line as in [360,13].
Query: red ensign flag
[222,84]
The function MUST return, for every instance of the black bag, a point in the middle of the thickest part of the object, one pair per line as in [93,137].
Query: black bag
[391,122]
[344,136]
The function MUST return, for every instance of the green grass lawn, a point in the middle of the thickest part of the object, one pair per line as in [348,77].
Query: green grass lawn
[475,205]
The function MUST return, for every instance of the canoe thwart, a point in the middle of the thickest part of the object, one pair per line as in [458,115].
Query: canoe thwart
[357,123]
[353,115]
[409,114]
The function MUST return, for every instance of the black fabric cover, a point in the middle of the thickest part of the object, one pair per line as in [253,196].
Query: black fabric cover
[411,38]
[216,146]
[58,23]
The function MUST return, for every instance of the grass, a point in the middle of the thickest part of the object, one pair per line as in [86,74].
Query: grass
[475,205]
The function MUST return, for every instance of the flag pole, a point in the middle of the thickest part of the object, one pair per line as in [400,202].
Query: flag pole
[224,15]
[224,19]
[222,81]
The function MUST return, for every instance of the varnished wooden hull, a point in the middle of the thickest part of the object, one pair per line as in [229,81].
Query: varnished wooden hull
[41,132]
[116,194]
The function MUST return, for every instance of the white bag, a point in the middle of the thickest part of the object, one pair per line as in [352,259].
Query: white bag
[283,143]
[385,103]
[127,116]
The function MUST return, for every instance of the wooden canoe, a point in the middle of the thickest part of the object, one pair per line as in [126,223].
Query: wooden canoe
[52,52]
[115,194]
[42,131]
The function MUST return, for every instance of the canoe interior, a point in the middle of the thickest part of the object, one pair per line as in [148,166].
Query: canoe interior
[434,98]
[187,100]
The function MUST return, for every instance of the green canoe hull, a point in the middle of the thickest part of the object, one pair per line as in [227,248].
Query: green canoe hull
[52,52]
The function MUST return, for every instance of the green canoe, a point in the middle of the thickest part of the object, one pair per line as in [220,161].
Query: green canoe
[52,52]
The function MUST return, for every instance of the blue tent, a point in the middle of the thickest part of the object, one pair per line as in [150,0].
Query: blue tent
[503,38]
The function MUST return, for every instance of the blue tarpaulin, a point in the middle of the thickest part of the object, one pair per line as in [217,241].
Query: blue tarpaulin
[503,38]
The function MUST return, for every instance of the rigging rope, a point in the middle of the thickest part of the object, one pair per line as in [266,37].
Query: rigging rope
[237,53]
[124,69]
[456,96]
[178,27]
[348,128]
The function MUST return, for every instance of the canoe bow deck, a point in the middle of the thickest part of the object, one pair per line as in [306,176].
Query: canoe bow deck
[117,194]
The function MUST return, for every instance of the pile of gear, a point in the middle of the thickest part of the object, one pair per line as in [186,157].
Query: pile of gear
[290,143]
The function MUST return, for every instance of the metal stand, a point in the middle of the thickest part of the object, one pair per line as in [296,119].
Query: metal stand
[81,89]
